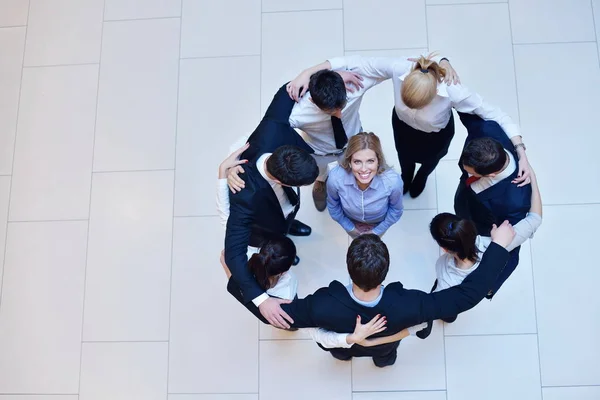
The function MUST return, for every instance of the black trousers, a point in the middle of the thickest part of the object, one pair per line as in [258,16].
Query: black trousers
[414,146]
[383,355]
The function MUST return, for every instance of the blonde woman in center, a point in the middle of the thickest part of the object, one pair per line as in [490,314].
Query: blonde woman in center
[364,195]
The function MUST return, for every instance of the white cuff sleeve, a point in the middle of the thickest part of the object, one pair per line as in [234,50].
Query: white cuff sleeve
[329,339]
[260,299]
[223,200]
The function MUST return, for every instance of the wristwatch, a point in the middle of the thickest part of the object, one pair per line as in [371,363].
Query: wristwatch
[520,145]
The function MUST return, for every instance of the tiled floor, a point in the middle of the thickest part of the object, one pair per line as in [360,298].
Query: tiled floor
[113,117]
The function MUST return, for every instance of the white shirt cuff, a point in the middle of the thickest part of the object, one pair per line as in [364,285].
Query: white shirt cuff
[260,299]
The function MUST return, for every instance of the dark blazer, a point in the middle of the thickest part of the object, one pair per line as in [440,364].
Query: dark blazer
[333,309]
[504,200]
[274,130]
[255,213]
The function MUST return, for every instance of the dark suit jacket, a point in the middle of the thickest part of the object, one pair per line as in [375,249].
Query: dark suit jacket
[255,213]
[504,200]
[274,130]
[332,307]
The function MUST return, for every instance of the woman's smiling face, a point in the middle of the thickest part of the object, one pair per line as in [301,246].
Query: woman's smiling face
[364,166]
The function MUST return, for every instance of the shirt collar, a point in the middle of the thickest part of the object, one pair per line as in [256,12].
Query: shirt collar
[442,88]
[508,171]
[349,179]
[262,167]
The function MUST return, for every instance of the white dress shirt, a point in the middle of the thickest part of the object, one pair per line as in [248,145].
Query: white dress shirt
[284,202]
[315,125]
[487,182]
[436,115]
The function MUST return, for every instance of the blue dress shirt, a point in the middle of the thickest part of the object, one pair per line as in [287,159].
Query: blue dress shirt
[380,203]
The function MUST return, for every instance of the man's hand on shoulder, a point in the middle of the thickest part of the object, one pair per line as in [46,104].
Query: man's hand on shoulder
[235,183]
[503,234]
[271,310]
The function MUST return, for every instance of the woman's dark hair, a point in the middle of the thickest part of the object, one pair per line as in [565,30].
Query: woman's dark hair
[368,261]
[276,256]
[456,235]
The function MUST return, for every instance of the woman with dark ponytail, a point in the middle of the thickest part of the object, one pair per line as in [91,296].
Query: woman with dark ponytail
[271,267]
[463,247]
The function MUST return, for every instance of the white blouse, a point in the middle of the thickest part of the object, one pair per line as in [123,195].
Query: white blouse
[448,274]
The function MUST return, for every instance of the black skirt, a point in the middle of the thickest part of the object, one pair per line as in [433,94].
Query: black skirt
[418,146]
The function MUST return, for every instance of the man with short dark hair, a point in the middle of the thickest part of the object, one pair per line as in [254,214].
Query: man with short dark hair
[335,308]
[487,192]
[278,160]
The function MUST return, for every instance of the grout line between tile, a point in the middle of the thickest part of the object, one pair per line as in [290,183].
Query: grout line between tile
[211,57]
[466,4]
[295,11]
[445,359]
[491,334]
[512,40]
[400,391]
[12,167]
[47,220]
[135,170]
[569,386]
[59,65]
[39,394]
[14,26]
[260,72]
[87,245]
[140,19]
[124,341]
[394,49]
[173,209]
[203,393]
[537,329]
[426,25]
[595,30]
[549,43]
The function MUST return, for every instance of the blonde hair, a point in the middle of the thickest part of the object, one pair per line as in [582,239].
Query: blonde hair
[420,86]
[364,141]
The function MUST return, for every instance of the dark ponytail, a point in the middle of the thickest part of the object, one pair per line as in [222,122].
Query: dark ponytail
[456,235]
[276,256]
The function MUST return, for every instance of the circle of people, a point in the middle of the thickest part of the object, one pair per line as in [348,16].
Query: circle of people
[311,133]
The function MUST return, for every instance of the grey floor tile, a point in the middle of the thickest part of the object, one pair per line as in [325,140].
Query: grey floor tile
[223,28]
[129,257]
[227,355]
[42,307]
[137,99]
[64,32]
[55,137]
[124,371]
[12,45]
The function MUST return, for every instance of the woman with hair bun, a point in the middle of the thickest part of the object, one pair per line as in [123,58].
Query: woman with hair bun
[426,89]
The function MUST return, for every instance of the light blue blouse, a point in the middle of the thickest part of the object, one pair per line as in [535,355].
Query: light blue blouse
[380,203]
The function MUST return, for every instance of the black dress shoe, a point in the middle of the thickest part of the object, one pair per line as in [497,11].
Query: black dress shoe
[418,185]
[299,229]
[296,260]
[423,333]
